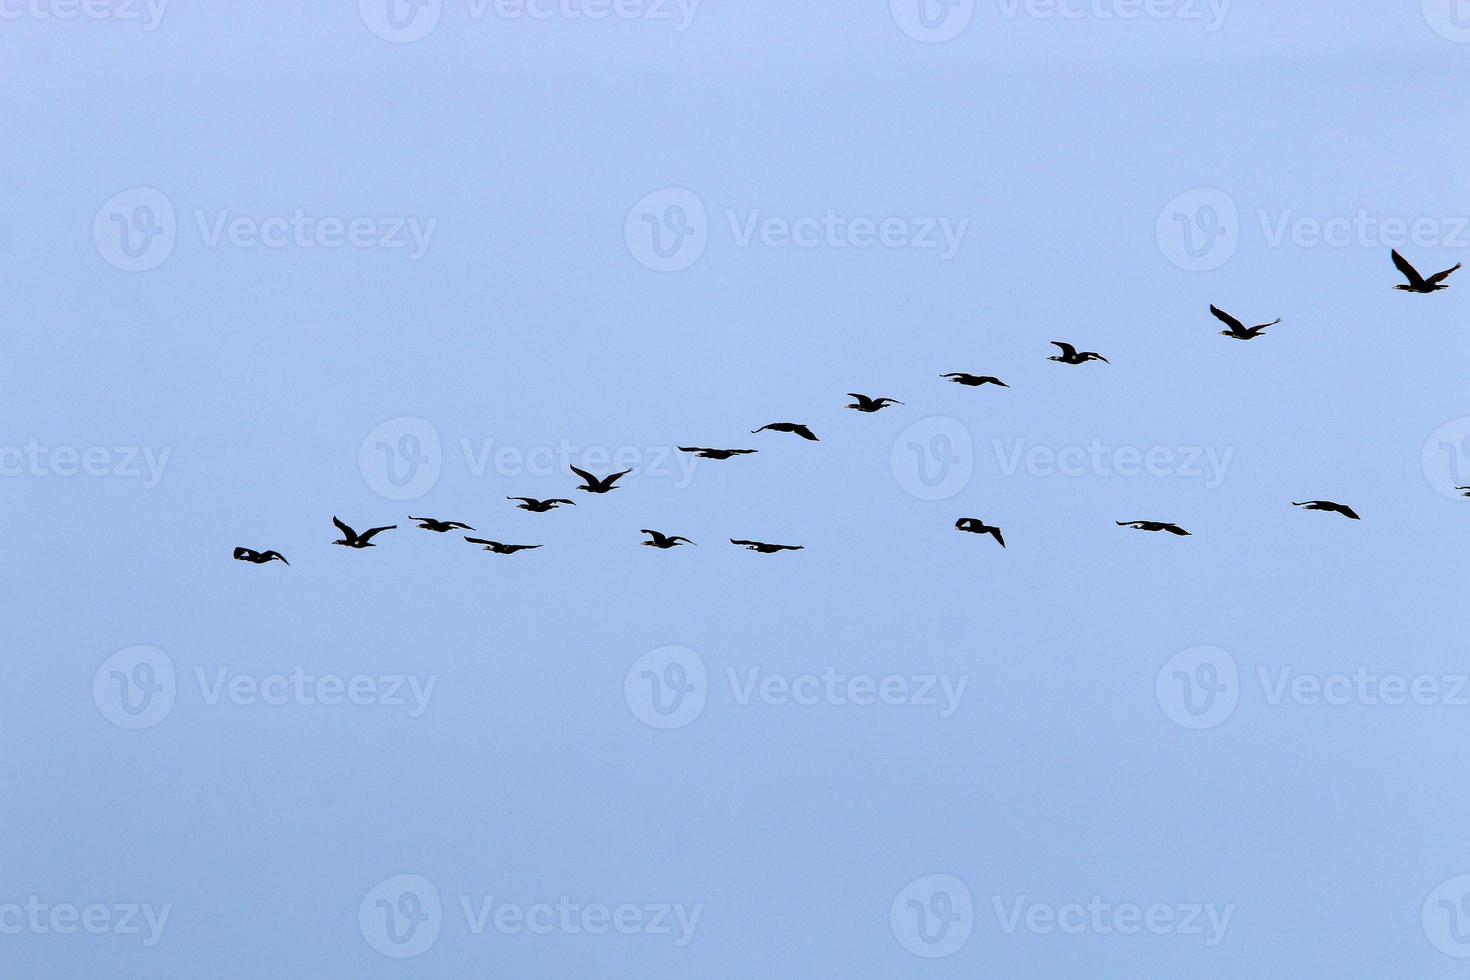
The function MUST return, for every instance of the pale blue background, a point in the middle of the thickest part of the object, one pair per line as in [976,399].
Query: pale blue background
[529,322]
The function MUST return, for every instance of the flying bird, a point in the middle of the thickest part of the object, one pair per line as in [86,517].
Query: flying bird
[1417,283]
[795,428]
[1154,526]
[501,549]
[1466,489]
[866,404]
[766,549]
[704,453]
[432,524]
[592,484]
[540,506]
[976,526]
[973,380]
[1330,507]
[1070,355]
[1237,329]
[259,557]
[664,541]
[351,539]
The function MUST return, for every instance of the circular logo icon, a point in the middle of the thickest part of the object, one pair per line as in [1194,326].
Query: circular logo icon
[1450,19]
[400,21]
[932,21]
[1199,230]
[135,230]
[1198,688]
[401,459]
[401,916]
[1446,917]
[934,458]
[932,916]
[135,687]
[1446,458]
[667,230]
[667,688]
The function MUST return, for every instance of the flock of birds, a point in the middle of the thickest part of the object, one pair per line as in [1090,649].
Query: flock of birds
[1235,329]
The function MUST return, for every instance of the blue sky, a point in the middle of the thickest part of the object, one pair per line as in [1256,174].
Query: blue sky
[271,265]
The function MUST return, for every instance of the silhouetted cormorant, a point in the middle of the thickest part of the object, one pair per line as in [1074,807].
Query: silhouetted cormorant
[1329,506]
[1154,526]
[1417,283]
[259,557]
[501,549]
[866,404]
[795,428]
[1070,355]
[1237,329]
[976,526]
[351,539]
[664,540]
[592,484]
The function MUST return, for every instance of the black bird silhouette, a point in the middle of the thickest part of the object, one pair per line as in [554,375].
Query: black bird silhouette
[1154,526]
[795,428]
[664,540]
[866,404]
[1329,506]
[432,524]
[1070,355]
[592,484]
[973,380]
[501,549]
[259,557]
[536,506]
[1237,329]
[351,539]
[976,526]
[1417,283]
[766,549]
[1466,489]
[705,453]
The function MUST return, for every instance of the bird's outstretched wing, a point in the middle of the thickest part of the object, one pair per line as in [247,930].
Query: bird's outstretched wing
[526,500]
[742,542]
[246,553]
[367,535]
[613,479]
[347,532]
[995,533]
[587,478]
[1067,349]
[275,554]
[1176,529]
[1235,325]
[1440,277]
[488,544]
[1347,511]
[1410,273]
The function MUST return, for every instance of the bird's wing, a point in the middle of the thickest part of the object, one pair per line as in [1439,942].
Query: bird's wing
[613,479]
[680,537]
[366,535]
[1440,277]
[1235,325]
[412,518]
[805,433]
[525,500]
[1263,326]
[587,478]
[1101,358]
[740,452]
[460,524]
[276,554]
[1067,349]
[523,547]
[995,533]
[347,532]
[1176,529]
[562,500]
[1410,273]
[245,553]
[1347,511]
[480,541]
[737,541]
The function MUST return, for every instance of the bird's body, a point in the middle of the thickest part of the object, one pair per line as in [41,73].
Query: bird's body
[976,526]
[351,539]
[765,549]
[867,404]
[1330,506]
[1070,354]
[1238,330]
[1154,526]
[501,549]
[536,506]
[795,428]
[433,524]
[1417,283]
[664,541]
[259,557]
[973,380]
[705,453]
[1466,489]
[593,484]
